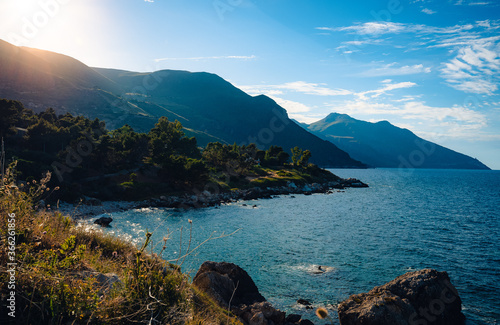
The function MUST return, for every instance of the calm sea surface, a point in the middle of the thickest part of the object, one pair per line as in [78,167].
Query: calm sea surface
[406,220]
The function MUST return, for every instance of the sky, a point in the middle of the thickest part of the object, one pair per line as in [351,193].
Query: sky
[432,67]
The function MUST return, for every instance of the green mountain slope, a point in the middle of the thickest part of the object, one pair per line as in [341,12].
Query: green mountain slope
[212,105]
[385,145]
[208,106]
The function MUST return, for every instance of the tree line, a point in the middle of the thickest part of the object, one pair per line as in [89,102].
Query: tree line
[76,148]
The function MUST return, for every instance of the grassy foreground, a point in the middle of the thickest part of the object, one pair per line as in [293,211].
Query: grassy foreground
[64,274]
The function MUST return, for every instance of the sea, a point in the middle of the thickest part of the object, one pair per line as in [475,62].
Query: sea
[406,220]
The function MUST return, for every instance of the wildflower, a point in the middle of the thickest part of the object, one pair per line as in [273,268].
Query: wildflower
[190,221]
[322,313]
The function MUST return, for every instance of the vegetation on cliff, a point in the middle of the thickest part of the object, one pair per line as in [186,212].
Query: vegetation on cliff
[88,159]
[61,273]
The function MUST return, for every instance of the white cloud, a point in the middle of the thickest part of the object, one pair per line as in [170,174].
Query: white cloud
[295,86]
[472,3]
[370,28]
[291,106]
[312,89]
[308,119]
[456,121]
[230,57]
[381,28]
[389,87]
[474,69]
[428,11]
[392,70]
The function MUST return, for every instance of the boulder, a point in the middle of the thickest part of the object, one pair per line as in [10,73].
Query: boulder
[305,322]
[293,318]
[260,313]
[103,221]
[304,302]
[424,297]
[91,201]
[220,280]
[232,288]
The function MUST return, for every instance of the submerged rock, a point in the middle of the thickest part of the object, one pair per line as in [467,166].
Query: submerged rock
[415,298]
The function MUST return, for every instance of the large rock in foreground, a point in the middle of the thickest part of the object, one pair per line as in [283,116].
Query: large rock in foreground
[416,298]
[221,280]
[233,289]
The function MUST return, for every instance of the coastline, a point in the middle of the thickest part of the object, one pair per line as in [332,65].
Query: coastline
[91,207]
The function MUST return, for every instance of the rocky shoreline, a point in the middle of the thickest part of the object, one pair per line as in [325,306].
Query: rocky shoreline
[421,297]
[90,207]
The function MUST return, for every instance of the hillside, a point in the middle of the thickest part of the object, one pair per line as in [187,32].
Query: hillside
[382,144]
[209,107]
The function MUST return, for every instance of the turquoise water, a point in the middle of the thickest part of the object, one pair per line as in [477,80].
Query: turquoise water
[406,220]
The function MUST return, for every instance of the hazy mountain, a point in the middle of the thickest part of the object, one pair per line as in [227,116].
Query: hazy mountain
[209,107]
[385,145]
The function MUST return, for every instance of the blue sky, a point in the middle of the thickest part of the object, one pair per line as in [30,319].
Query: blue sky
[429,66]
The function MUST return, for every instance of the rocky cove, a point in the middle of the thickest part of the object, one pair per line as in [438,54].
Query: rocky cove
[420,297]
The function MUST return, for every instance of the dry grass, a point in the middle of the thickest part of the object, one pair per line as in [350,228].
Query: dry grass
[58,267]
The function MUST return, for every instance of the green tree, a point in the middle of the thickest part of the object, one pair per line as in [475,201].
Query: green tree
[167,139]
[304,160]
[275,156]
[296,154]
[9,113]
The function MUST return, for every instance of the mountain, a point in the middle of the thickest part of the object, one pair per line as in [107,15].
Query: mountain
[382,144]
[208,106]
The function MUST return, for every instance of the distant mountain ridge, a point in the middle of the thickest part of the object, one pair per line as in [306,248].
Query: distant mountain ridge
[208,106]
[382,144]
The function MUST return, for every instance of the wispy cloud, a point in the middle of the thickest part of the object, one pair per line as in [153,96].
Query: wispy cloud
[388,87]
[392,69]
[318,89]
[473,3]
[428,11]
[475,69]
[200,58]
[295,86]
[370,28]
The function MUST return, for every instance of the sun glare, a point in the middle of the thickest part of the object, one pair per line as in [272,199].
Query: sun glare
[22,7]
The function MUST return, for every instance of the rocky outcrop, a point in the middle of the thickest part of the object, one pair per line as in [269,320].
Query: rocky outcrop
[228,284]
[233,289]
[103,221]
[416,298]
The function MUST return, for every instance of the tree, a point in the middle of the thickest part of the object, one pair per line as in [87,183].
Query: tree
[9,112]
[275,156]
[304,160]
[296,153]
[167,139]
